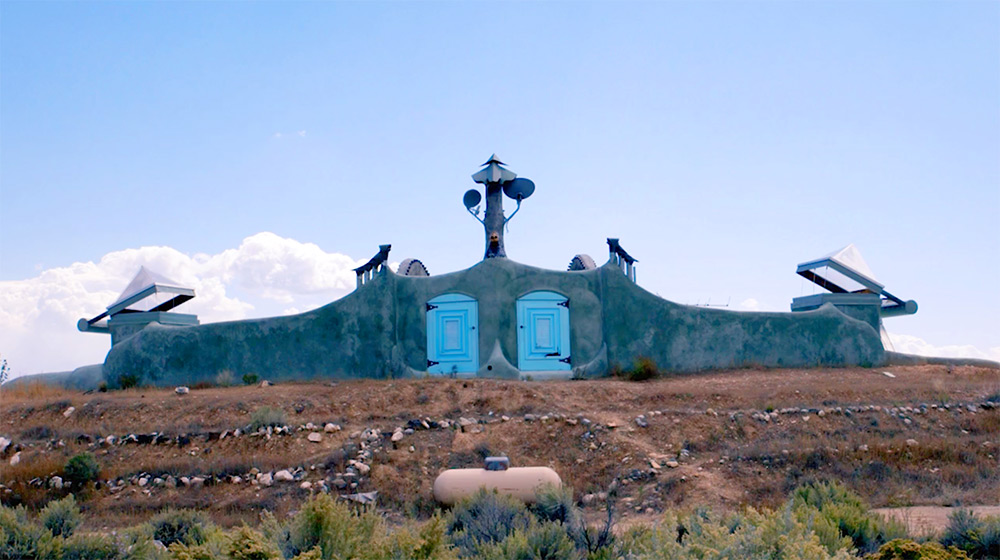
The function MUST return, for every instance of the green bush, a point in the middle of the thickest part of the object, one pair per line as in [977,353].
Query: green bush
[128,381]
[90,547]
[555,503]
[905,549]
[248,544]
[332,526]
[61,517]
[485,518]
[22,539]
[81,469]
[266,416]
[180,526]
[643,369]
[829,505]
[977,537]
[250,378]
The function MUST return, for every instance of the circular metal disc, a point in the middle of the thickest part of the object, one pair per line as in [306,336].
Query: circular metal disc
[519,189]
[471,198]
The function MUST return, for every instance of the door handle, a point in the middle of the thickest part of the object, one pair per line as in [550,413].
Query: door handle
[553,354]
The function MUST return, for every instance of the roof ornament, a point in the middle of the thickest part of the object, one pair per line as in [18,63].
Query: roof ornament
[497,180]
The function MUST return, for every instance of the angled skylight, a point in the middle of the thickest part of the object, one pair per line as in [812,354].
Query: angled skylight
[842,271]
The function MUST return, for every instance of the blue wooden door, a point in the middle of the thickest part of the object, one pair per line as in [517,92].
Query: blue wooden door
[452,334]
[543,332]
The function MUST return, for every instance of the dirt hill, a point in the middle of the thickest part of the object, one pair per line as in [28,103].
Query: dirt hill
[921,435]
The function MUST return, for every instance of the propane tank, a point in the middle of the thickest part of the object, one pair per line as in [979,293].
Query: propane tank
[451,486]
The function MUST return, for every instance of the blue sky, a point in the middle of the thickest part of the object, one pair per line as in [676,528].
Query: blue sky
[722,142]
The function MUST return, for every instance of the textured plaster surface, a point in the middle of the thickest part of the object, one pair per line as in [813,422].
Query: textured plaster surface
[379,331]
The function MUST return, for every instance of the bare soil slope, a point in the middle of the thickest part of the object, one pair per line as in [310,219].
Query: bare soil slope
[927,436]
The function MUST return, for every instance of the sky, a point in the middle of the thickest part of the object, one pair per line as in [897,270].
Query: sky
[257,151]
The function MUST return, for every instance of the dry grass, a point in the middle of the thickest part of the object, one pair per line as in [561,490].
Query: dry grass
[732,462]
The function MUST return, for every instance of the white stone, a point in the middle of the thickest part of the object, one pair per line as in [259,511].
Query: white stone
[197,481]
[69,411]
[396,437]
[266,479]
[331,427]
[315,437]
[4,444]
[143,481]
[911,442]
[182,390]
[306,485]
[283,476]
[362,468]
[672,464]
[15,459]
[56,482]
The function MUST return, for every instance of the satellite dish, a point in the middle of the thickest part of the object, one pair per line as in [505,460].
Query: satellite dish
[471,198]
[519,189]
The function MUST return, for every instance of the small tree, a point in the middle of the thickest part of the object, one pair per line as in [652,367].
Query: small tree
[81,469]
[4,371]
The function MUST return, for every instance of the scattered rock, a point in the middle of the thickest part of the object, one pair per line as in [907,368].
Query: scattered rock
[266,479]
[266,383]
[331,427]
[283,476]
[362,468]
[911,442]
[182,390]
[641,421]
[671,464]
[56,482]
[396,437]
[4,444]
[197,481]
[315,437]
[69,412]
[306,485]
[15,459]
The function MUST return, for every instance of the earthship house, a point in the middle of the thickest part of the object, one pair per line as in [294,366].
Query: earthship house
[498,318]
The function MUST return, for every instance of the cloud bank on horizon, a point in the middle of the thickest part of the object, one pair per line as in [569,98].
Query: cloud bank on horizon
[266,275]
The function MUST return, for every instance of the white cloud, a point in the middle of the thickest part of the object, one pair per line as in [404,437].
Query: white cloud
[261,277]
[909,344]
[749,304]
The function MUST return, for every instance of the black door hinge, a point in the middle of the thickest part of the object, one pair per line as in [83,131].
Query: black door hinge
[565,360]
[431,363]
[564,304]
[431,306]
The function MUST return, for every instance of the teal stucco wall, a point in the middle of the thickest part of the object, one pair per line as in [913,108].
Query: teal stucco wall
[379,331]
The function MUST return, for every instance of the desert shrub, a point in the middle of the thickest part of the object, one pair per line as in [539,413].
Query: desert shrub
[250,378]
[332,526]
[224,378]
[81,469]
[61,517]
[750,534]
[38,433]
[128,381]
[485,518]
[555,503]
[643,369]
[266,416]
[831,504]
[905,549]
[183,526]
[90,547]
[427,542]
[315,554]
[977,537]
[180,551]
[22,539]
[248,544]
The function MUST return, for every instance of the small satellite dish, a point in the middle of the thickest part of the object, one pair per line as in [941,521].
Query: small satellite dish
[519,189]
[471,198]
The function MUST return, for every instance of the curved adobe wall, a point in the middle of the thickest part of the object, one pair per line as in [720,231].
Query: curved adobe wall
[379,331]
